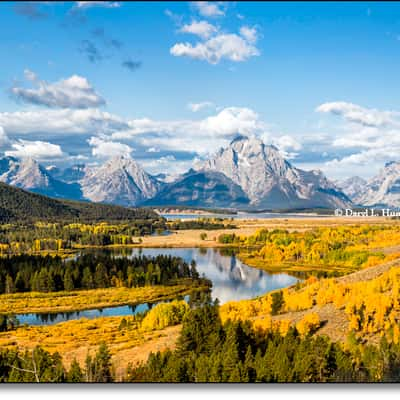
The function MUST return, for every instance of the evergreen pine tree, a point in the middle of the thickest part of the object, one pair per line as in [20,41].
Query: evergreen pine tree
[10,287]
[19,283]
[102,365]
[87,279]
[68,282]
[75,373]
[100,276]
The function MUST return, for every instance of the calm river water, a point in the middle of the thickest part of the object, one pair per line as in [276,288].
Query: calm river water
[231,280]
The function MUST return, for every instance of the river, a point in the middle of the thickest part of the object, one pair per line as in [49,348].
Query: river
[231,280]
[243,215]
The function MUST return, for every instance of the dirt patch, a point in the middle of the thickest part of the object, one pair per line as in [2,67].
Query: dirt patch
[368,273]
[334,323]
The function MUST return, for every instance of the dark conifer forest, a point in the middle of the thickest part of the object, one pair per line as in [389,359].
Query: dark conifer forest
[27,273]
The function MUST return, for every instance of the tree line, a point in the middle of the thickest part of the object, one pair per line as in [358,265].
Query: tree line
[25,273]
[200,223]
[58,236]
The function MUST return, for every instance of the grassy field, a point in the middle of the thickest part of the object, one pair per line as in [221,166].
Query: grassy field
[246,227]
[35,302]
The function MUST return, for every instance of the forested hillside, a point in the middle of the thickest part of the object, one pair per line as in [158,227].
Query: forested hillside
[17,205]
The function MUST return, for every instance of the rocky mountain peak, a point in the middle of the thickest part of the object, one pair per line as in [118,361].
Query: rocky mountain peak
[268,179]
[353,187]
[382,189]
[120,180]
[27,173]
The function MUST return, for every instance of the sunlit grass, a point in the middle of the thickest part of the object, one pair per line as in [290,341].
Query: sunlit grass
[36,302]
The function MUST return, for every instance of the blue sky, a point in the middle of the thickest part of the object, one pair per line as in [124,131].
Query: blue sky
[170,82]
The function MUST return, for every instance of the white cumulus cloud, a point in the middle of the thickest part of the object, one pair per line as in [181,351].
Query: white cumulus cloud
[249,33]
[36,149]
[195,107]
[92,4]
[287,145]
[369,137]
[200,28]
[231,121]
[61,121]
[209,9]
[202,136]
[3,137]
[72,92]
[357,114]
[153,150]
[229,46]
[104,148]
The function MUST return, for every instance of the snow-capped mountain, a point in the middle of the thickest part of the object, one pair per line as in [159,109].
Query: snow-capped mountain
[247,174]
[353,187]
[26,173]
[269,180]
[382,189]
[121,180]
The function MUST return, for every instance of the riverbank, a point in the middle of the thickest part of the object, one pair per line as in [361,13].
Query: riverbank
[79,300]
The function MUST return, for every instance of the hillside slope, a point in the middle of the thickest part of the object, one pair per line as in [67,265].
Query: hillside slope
[17,205]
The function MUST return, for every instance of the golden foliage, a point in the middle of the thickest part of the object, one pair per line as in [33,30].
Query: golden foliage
[308,324]
[165,314]
[372,307]
[340,248]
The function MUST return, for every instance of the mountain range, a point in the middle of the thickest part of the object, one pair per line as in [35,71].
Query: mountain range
[28,174]
[247,174]
[381,190]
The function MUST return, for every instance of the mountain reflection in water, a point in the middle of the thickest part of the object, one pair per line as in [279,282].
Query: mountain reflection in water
[231,280]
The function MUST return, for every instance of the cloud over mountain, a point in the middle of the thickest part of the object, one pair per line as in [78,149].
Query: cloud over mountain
[367,137]
[36,149]
[106,149]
